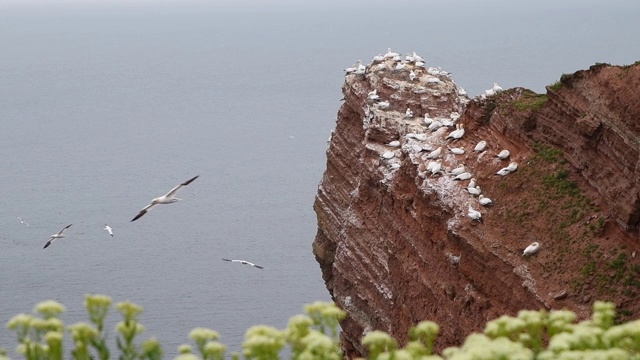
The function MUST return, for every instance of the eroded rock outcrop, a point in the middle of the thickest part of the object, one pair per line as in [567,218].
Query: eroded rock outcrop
[395,243]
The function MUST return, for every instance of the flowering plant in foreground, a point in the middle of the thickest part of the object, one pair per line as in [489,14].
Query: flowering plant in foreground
[315,336]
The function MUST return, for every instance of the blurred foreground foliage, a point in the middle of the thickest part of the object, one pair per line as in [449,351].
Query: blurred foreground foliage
[530,335]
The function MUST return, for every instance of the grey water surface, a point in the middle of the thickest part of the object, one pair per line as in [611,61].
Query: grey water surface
[103,107]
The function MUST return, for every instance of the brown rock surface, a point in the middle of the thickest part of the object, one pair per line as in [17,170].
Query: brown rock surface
[395,244]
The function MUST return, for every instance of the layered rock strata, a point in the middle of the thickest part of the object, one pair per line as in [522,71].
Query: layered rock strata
[396,243]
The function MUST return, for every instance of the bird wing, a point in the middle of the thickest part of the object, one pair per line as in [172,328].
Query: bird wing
[225,259]
[143,211]
[173,191]
[258,266]
[63,229]
[48,243]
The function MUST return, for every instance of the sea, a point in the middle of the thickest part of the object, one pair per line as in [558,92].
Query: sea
[105,105]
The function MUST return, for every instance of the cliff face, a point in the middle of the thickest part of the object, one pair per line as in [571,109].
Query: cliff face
[395,242]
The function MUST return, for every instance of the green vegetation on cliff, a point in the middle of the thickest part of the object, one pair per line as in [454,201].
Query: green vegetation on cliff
[530,335]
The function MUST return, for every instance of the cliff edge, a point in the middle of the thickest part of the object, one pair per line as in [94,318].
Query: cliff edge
[396,241]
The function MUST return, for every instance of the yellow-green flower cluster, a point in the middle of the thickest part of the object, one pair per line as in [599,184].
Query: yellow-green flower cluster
[49,309]
[263,342]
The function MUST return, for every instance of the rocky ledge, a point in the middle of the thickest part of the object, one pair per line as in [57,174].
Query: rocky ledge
[397,240]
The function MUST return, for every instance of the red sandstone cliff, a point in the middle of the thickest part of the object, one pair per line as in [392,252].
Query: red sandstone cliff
[395,244]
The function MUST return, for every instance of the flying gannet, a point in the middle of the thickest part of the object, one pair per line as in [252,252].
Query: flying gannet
[109,229]
[167,198]
[244,262]
[23,222]
[59,235]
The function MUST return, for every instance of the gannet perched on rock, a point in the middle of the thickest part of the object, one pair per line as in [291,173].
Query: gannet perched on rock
[394,143]
[531,249]
[388,155]
[508,170]
[417,57]
[503,155]
[412,75]
[390,54]
[463,176]
[436,167]
[373,95]
[474,190]
[474,214]
[457,151]
[496,88]
[480,146]
[434,154]
[408,113]
[485,201]
[457,171]
[383,105]
[458,133]
[435,125]
[427,120]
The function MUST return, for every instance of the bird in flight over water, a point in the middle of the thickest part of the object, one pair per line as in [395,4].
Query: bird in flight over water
[23,222]
[167,198]
[109,229]
[59,235]
[244,262]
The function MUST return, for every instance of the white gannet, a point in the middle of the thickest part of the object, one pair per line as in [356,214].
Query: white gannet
[484,201]
[400,66]
[434,154]
[446,122]
[377,58]
[408,113]
[417,57]
[457,151]
[388,155]
[373,95]
[474,190]
[454,116]
[394,143]
[474,214]
[463,176]
[354,68]
[437,167]
[480,146]
[503,155]
[531,249]
[109,229]
[394,166]
[167,198]
[420,64]
[503,172]
[431,164]
[462,92]
[244,262]
[489,92]
[496,88]
[383,105]
[420,137]
[412,75]
[23,222]
[390,54]
[472,183]
[427,120]
[513,166]
[381,67]
[458,133]
[409,58]
[59,235]
[457,171]
[435,125]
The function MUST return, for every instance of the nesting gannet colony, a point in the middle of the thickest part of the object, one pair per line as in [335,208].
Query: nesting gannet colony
[424,128]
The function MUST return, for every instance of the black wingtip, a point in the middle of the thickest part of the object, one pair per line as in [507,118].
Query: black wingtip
[259,267]
[47,244]
[190,180]
[225,259]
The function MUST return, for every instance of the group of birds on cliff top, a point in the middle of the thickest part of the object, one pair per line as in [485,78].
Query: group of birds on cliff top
[168,198]
[420,143]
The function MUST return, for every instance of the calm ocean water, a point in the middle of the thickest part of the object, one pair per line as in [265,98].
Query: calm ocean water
[104,107]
